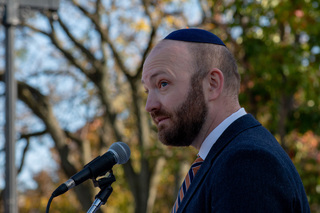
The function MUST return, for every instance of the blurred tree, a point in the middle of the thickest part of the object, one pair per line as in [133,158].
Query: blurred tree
[100,47]
[277,47]
[33,201]
[106,45]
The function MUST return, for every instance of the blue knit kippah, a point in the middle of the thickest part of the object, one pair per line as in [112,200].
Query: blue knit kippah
[195,35]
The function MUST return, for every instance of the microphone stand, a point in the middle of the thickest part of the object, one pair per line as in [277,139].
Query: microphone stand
[105,185]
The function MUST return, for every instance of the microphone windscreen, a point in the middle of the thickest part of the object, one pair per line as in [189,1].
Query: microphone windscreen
[121,151]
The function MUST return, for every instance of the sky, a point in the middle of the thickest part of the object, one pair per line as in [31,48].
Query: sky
[36,53]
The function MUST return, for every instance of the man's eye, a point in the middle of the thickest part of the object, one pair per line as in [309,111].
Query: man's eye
[163,84]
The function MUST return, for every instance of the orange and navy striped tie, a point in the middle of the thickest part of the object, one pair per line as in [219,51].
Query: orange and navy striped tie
[187,182]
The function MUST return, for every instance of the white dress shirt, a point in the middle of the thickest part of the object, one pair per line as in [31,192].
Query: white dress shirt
[215,134]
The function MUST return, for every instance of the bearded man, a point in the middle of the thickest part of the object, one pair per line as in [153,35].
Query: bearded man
[193,84]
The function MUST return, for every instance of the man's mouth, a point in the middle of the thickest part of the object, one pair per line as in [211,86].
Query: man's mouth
[160,119]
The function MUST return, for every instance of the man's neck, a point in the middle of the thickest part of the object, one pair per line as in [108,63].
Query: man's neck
[213,120]
[212,138]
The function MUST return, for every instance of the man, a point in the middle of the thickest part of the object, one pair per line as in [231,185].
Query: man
[192,84]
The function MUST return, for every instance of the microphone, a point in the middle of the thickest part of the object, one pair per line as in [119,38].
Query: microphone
[118,153]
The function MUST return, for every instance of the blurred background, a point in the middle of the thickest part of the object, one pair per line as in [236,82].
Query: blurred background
[79,91]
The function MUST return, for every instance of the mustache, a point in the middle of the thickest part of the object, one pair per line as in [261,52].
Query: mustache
[158,113]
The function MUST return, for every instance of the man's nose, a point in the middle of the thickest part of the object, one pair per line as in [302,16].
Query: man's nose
[152,103]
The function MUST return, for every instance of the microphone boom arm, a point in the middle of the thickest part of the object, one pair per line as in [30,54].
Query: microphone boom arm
[105,185]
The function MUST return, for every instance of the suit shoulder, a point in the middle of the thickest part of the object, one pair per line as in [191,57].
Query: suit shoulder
[254,169]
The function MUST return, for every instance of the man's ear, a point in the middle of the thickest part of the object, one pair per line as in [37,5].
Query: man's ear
[215,83]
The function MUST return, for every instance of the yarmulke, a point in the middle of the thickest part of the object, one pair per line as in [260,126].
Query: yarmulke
[195,35]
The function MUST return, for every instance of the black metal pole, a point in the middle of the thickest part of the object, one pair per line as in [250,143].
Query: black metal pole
[10,21]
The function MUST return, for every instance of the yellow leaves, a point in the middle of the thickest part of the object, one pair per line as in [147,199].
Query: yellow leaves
[36,200]
[141,25]
[170,19]
[276,38]
[306,145]
[175,22]
[268,3]
[310,103]
[119,103]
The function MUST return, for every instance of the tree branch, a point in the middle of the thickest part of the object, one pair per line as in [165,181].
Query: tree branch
[65,52]
[24,152]
[34,134]
[84,50]
[105,37]
[152,37]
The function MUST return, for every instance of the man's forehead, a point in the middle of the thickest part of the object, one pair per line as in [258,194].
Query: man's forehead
[167,50]
[168,57]
[168,45]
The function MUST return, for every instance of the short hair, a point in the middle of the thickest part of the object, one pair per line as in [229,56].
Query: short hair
[206,56]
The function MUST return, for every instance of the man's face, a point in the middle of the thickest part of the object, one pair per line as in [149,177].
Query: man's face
[175,95]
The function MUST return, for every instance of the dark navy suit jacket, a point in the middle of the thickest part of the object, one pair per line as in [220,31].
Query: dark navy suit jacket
[246,170]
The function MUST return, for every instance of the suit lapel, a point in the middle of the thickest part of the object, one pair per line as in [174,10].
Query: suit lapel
[241,124]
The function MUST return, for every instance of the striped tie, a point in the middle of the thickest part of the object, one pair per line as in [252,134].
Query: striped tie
[187,181]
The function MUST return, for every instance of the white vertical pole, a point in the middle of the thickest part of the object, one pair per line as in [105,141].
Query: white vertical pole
[10,20]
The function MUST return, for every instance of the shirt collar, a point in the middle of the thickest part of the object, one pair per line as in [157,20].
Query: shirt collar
[216,133]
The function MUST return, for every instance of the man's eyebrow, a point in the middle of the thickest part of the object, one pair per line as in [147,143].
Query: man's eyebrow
[154,75]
